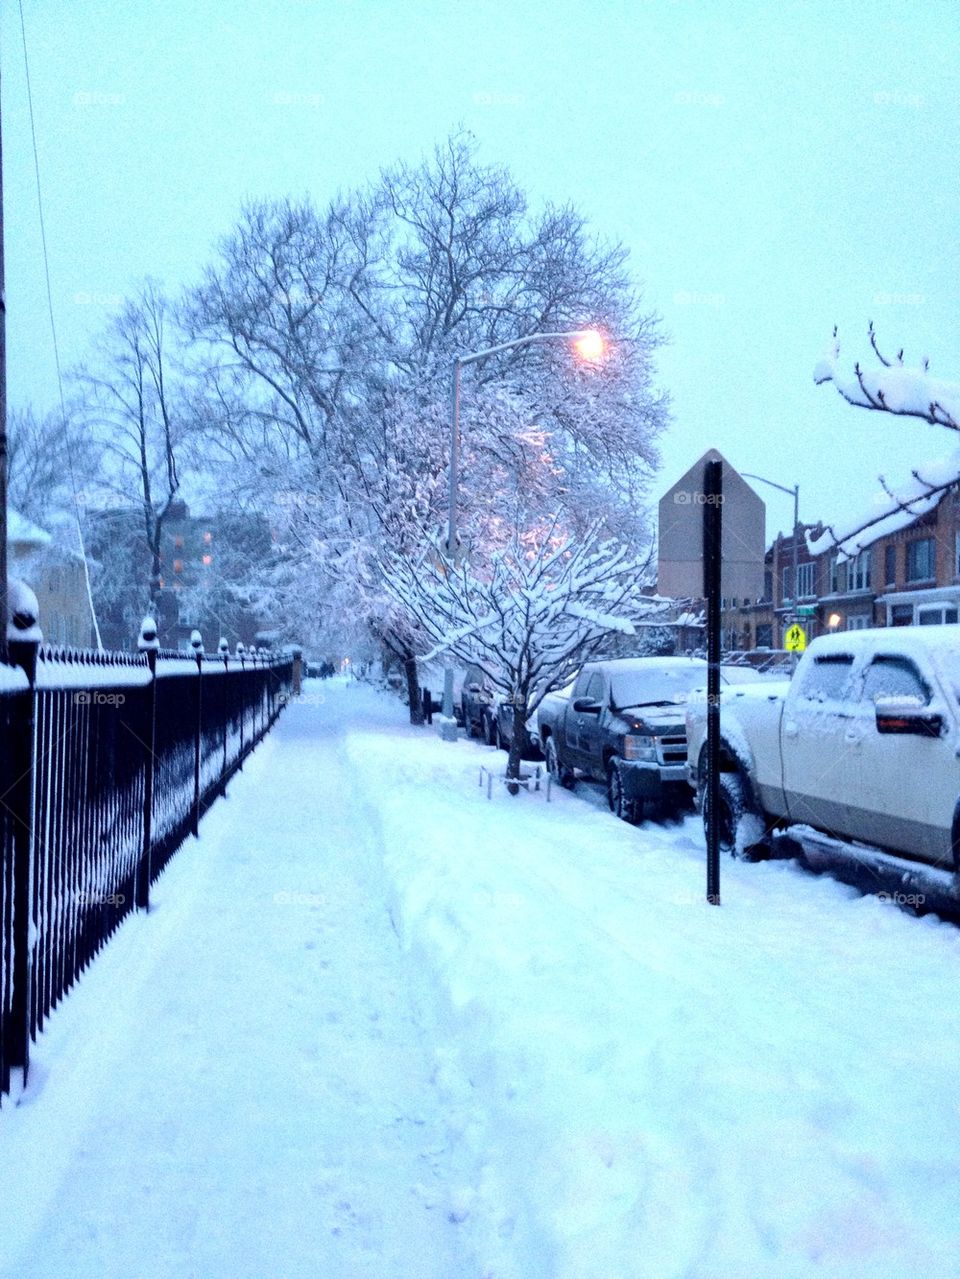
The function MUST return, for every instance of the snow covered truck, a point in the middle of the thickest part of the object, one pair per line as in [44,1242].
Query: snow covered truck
[861,744]
[623,724]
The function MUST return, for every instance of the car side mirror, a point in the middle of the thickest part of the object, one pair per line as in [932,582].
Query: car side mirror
[908,718]
[586,706]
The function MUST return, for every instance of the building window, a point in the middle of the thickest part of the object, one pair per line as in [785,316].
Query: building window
[937,615]
[956,556]
[178,566]
[890,563]
[901,615]
[859,622]
[858,572]
[834,575]
[208,559]
[768,582]
[208,538]
[178,542]
[805,580]
[764,635]
[920,560]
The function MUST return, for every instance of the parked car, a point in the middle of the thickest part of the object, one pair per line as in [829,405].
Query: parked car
[504,726]
[623,724]
[860,744]
[478,712]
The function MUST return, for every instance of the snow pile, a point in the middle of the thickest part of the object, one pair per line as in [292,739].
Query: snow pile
[648,1086]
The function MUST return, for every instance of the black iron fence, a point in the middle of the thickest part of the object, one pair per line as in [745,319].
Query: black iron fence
[107,763]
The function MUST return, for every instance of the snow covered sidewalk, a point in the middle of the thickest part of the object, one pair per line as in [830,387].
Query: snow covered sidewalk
[381,1026]
[236,1087]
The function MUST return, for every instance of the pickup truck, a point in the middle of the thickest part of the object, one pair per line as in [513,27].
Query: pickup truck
[623,724]
[861,744]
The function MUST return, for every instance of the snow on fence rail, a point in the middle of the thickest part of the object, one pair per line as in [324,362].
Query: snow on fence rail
[107,763]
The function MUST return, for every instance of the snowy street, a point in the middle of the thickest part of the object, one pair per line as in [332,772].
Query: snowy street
[378,1025]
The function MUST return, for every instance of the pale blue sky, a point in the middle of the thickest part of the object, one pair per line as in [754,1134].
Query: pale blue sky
[774,169]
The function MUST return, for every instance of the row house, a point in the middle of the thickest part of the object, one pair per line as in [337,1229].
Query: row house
[906,574]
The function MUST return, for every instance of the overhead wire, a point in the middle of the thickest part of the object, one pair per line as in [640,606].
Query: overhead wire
[56,348]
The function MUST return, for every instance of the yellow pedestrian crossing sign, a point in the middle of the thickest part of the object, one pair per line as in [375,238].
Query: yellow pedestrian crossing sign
[795,640]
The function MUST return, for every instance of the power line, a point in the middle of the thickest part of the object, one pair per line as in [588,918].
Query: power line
[53,330]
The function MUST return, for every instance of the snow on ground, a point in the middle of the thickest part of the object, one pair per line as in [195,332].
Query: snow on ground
[560,1061]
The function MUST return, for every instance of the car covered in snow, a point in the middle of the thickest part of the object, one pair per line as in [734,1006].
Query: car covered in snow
[861,744]
[623,724]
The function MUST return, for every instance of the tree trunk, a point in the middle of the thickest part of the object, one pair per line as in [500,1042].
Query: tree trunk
[413,690]
[513,758]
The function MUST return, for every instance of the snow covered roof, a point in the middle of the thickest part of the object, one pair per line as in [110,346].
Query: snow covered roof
[24,531]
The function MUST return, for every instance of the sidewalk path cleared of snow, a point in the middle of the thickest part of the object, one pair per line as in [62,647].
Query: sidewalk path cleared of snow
[559,1063]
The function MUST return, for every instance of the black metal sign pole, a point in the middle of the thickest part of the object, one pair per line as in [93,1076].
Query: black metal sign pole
[712,530]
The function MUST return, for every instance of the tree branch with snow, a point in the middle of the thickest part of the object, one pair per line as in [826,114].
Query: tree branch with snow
[531,616]
[903,391]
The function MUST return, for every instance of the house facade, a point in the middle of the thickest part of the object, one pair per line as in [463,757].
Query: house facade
[908,574]
[680,551]
[57,577]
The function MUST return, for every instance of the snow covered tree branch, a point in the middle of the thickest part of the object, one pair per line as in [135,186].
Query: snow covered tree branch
[531,616]
[903,391]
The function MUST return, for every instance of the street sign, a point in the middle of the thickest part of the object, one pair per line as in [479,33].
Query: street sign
[806,610]
[795,640]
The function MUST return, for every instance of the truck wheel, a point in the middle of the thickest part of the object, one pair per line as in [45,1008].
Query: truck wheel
[628,810]
[742,826]
[562,776]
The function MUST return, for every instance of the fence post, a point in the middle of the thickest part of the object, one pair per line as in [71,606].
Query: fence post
[196,643]
[148,643]
[23,653]
[241,653]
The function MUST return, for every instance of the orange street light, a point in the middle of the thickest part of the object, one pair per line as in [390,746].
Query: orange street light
[591,346]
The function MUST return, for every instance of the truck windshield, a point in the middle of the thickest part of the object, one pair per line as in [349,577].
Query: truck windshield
[664,687]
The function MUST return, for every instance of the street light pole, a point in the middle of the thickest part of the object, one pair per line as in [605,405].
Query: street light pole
[448,724]
[794,492]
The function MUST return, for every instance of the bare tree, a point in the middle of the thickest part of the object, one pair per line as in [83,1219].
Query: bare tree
[134,410]
[329,339]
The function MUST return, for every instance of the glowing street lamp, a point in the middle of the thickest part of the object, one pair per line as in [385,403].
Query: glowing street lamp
[590,346]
